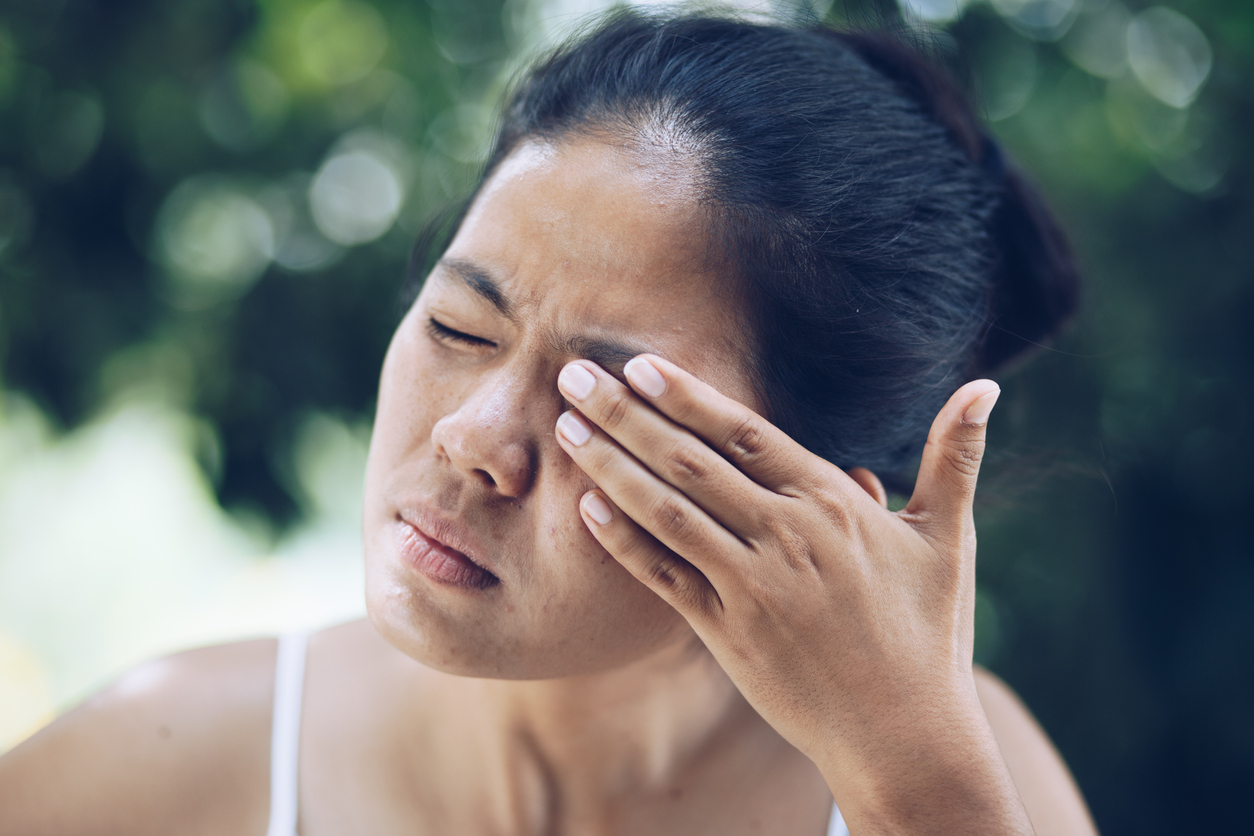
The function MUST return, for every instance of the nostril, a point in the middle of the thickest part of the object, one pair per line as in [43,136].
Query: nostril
[490,456]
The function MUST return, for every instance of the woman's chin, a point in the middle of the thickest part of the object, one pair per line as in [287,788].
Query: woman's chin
[441,634]
[496,644]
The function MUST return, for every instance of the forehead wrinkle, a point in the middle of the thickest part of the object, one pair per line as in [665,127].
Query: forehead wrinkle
[608,353]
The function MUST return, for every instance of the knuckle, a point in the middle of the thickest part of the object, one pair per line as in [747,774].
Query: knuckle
[965,456]
[614,409]
[672,578]
[745,440]
[685,464]
[662,574]
[796,548]
[671,514]
[835,508]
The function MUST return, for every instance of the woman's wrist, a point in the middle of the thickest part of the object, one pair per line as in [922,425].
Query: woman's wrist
[933,769]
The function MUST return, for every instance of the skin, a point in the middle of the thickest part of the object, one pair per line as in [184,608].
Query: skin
[749,634]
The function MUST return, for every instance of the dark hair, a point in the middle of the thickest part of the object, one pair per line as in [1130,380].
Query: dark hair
[882,249]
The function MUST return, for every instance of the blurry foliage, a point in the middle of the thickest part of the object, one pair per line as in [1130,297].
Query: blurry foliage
[214,200]
[219,198]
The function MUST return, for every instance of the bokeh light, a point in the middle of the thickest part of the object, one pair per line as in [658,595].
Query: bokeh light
[341,41]
[1097,43]
[934,11]
[299,245]
[214,240]
[243,105]
[1045,20]
[355,196]
[1169,55]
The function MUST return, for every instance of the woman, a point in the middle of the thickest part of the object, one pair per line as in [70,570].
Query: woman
[630,567]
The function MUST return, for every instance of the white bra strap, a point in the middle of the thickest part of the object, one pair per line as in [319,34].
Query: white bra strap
[289,682]
[837,827]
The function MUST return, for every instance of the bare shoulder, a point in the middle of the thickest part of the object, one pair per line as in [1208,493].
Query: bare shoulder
[159,751]
[1049,793]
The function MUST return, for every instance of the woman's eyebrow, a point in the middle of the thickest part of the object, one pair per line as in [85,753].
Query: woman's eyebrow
[481,282]
[607,352]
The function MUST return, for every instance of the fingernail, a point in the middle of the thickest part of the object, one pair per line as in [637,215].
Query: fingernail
[596,507]
[645,377]
[574,428]
[978,412]
[576,381]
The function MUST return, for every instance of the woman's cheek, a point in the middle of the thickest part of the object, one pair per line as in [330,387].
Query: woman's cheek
[599,598]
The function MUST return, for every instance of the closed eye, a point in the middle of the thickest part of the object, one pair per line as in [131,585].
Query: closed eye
[442,333]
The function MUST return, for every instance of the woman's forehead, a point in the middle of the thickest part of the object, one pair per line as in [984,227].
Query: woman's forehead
[591,237]
[589,206]
[589,225]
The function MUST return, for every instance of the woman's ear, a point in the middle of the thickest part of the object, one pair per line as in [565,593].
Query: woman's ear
[870,483]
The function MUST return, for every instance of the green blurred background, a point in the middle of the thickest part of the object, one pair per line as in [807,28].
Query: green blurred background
[206,208]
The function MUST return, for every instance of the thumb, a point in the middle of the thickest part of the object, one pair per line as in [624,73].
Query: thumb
[945,488]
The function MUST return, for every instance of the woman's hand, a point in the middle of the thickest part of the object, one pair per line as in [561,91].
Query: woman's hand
[847,627]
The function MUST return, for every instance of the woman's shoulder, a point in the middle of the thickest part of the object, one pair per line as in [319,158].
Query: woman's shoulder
[1049,793]
[156,751]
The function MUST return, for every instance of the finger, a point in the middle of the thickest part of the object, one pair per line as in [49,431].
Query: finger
[655,506]
[758,448]
[945,488]
[674,454]
[870,483]
[674,579]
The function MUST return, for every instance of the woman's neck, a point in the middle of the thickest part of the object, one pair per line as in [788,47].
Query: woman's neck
[565,753]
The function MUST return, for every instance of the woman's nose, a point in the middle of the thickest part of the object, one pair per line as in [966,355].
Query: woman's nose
[489,439]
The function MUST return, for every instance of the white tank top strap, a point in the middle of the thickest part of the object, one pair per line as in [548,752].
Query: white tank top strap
[289,686]
[837,826]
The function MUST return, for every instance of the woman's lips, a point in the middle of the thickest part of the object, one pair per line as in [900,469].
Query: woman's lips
[440,562]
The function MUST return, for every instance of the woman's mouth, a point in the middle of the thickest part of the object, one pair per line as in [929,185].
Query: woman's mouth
[441,562]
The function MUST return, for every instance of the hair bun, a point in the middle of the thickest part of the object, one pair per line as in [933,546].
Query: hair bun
[1036,284]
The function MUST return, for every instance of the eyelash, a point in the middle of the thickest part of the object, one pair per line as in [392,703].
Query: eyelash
[442,333]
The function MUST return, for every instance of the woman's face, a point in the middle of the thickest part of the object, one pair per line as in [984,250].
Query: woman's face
[477,562]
